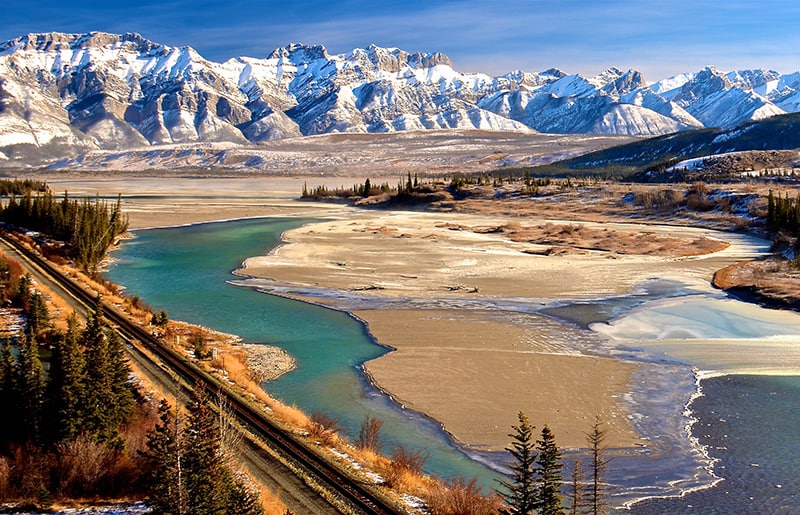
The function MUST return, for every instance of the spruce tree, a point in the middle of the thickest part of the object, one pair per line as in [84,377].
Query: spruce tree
[99,398]
[8,405]
[548,471]
[597,488]
[37,314]
[241,498]
[67,385]
[521,490]
[22,297]
[203,459]
[576,502]
[163,460]
[123,402]
[29,391]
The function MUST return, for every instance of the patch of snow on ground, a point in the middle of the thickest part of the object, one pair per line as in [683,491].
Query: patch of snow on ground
[112,509]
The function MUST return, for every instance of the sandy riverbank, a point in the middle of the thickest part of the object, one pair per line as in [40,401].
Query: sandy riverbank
[459,358]
[432,286]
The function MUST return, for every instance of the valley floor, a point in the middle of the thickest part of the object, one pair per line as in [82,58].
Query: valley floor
[452,293]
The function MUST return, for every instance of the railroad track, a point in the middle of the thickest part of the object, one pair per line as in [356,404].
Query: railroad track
[355,494]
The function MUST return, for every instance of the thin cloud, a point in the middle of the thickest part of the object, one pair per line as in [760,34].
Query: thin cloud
[578,36]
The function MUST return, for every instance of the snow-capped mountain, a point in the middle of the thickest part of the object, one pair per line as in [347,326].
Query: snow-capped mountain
[63,94]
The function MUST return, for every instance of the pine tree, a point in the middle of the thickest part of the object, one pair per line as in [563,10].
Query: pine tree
[37,314]
[241,498]
[123,402]
[597,491]
[202,457]
[521,495]
[29,390]
[99,397]
[548,470]
[163,456]
[8,405]
[22,297]
[109,399]
[67,385]
[367,188]
[576,504]
[771,212]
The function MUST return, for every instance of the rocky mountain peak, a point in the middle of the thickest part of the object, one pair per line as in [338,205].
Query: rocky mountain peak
[299,53]
[55,41]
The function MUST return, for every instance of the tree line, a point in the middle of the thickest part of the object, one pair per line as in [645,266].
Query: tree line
[21,186]
[783,213]
[87,227]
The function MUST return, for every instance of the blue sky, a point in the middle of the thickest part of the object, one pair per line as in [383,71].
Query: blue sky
[659,39]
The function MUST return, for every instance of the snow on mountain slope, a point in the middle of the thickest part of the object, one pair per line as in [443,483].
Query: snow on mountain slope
[66,93]
[717,102]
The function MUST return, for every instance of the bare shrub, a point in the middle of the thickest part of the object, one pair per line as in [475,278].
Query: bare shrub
[135,432]
[370,434]
[697,202]
[461,497]
[230,436]
[741,223]
[29,476]
[662,200]
[570,229]
[80,464]
[403,463]
[323,428]
[699,188]
[5,478]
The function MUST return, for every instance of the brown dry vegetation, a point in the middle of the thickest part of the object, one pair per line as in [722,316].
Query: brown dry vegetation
[772,281]
[573,238]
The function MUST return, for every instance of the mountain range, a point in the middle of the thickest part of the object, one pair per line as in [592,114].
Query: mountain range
[65,94]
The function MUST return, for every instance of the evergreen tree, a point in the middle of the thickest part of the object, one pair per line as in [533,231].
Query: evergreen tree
[204,471]
[8,405]
[163,456]
[67,385]
[22,297]
[242,499]
[771,212]
[597,491]
[576,504]
[109,400]
[548,470]
[100,421]
[123,403]
[521,495]
[29,390]
[38,315]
